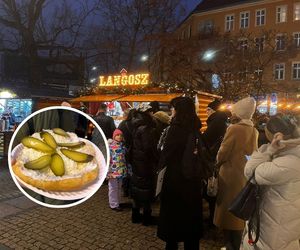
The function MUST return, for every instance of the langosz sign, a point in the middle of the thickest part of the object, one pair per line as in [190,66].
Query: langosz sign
[124,79]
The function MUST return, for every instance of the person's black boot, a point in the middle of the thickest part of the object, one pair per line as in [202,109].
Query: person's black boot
[148,219]
[136,217]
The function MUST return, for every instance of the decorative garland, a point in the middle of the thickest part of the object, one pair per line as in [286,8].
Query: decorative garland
[162,87]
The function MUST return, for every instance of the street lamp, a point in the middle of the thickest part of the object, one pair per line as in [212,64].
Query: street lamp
[209,55]
[94,68]
[144,58]
[93,80]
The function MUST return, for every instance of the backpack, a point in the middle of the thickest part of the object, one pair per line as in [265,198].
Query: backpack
[196,161]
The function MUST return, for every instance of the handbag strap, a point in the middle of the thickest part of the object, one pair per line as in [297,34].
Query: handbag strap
[251,221]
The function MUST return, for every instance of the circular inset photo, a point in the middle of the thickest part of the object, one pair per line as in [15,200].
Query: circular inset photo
[53,159]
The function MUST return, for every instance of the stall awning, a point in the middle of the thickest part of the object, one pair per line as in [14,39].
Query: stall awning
[127,98]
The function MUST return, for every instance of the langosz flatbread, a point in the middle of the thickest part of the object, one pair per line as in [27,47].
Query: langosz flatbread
[55,160]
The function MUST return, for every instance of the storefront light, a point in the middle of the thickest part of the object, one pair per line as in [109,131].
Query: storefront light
[6,94]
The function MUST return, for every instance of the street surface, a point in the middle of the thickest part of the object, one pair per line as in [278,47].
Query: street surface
[91,225]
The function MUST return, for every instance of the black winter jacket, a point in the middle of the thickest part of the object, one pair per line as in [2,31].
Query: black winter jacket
[106,123]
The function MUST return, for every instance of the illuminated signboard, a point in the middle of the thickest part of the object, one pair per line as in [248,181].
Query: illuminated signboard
[124,80]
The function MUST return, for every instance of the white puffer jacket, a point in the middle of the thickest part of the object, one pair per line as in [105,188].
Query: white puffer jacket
[279,177]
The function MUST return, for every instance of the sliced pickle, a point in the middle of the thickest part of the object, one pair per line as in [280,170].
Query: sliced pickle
[49,139]
[57,165]
[61,132]
[39,163]
[37,144]
[72,145]
[77,156]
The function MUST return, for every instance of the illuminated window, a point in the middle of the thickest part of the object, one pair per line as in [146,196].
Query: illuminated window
[244,19]
[279,71]
[297,39]
[229,22]
[260,17]
[281,14]
[297,11]
[296,71]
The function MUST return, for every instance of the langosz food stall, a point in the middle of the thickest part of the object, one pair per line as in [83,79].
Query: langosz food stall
[114,90]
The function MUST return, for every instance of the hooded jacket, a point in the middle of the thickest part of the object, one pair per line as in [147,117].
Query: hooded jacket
[278,174]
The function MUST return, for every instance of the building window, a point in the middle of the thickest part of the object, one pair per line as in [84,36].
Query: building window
[296,71]
[206,27]
[244,18]
[279,69]
[281,14]
[243,44]
[259,44]
[297,11]
[280,42]
[297,39]
[229,22]
[260,17]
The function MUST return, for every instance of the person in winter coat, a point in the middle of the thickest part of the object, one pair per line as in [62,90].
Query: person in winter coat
[105,122]
[144,165]
[277,170]
[162,120]
[240,140]
[180,217]
[117,169]
[127,128]
[213,136]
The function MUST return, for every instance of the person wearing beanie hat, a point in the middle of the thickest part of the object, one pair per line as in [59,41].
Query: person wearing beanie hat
[245,108]
[240,139]
[163,117]
[117,169]
[276,167]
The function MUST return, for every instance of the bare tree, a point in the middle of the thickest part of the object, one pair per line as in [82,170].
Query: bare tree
[34,24]
[128,30]
[238,63]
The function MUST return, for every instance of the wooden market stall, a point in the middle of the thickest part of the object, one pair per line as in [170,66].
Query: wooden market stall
[202,100]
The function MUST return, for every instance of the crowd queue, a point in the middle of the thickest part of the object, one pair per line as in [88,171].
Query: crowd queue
[149,140]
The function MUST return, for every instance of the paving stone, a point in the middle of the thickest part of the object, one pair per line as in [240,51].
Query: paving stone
[91,225]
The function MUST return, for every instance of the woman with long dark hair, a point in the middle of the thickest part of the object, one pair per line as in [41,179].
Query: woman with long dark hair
[180,218]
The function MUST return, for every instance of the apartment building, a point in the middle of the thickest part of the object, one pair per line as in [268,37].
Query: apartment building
[253,16]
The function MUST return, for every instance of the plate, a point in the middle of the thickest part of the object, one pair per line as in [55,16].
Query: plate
[70,195]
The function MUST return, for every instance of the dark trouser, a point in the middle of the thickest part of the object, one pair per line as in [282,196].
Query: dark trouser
[233,239]
[188,245]
[211,203]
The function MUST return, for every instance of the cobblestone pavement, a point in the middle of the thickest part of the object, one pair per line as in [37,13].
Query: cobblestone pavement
[91,225]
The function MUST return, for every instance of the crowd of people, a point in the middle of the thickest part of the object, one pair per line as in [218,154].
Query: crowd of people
[149,140]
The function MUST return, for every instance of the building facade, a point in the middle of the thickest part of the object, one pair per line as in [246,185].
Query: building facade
[234,17]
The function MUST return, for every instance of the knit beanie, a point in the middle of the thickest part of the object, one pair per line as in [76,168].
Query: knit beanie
[244,108]
[117,132]
[214,105]
[162,117]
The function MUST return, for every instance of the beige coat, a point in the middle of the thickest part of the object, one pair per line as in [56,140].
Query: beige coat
[240,140]
[279,177]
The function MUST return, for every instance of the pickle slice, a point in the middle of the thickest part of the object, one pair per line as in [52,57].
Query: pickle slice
[39,163]
[72,145]
[77,156]
[49,139]
[37,144]
[61,132]
[57,165]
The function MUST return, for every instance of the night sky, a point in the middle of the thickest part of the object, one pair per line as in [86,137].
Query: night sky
[192,4]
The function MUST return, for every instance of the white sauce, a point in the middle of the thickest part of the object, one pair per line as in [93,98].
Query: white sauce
[72,168]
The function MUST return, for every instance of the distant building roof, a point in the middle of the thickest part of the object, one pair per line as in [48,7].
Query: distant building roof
[207,5]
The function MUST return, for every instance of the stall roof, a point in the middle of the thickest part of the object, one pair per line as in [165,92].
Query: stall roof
[127,98]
